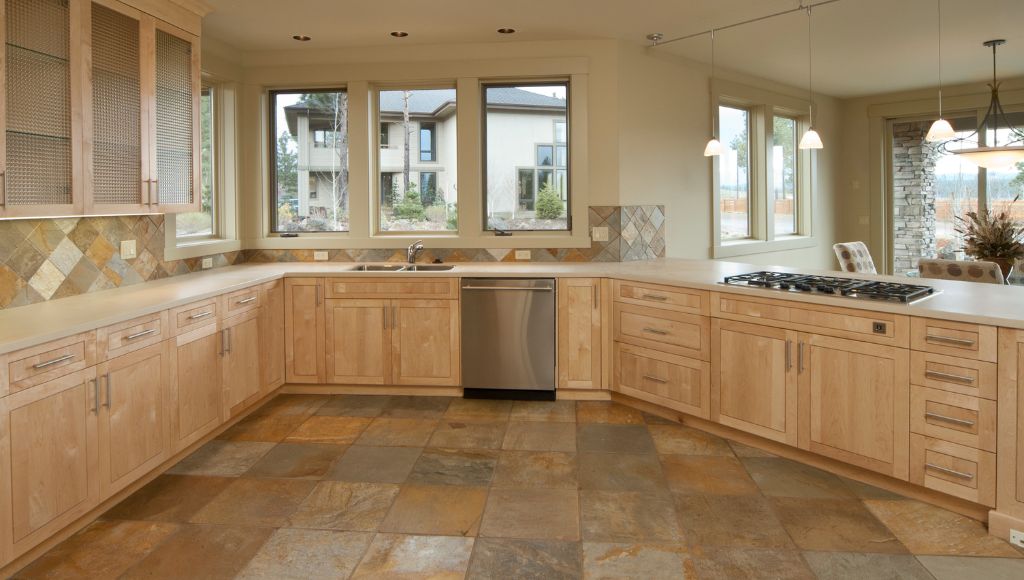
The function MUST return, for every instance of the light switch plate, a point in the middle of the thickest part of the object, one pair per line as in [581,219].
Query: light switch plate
[127,249]
[320,255]
[523,254]
[207,263]
[599,234]
[864,220]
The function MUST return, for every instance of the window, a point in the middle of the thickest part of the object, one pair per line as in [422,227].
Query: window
[420,192]
[734,173]
[309,161]
[784,175]
[191,227]
[385,135]
[526,135]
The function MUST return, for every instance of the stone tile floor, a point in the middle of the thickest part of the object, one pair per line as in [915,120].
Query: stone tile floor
[315,487]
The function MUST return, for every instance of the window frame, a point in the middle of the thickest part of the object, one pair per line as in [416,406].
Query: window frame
[798,183]
[432,152]
[215,227]
[569,129]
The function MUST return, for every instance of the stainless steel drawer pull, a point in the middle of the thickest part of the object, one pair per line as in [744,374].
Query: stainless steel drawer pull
[950,340]
[947,419]
[520,288]
[948,377]
[141,334]
[655,379]
[948,471]
[246,300]
[656,331]
[57,360]
[199,315]
[657,297]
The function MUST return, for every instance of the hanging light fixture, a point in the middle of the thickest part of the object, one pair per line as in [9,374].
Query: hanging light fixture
[714,146]
[811,139]
[940,129]
[995,156]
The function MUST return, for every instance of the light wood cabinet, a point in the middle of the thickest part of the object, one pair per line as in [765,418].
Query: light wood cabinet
[240,348]
[48,447]
[196,395]
[1010,466]
[754,379]
[134,416]
[358,342]
[425,342]
[855,402]
[272,335]
[580,336]
[304,330]
[672,381]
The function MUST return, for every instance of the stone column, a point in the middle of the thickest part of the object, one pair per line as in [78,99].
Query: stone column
[913,195]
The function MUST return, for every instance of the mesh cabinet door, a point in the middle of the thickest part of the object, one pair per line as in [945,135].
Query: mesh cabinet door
[41,69]
[176,121]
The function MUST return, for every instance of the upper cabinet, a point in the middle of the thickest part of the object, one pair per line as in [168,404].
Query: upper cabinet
[100,109]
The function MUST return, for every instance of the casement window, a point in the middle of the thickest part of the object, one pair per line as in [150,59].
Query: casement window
[202,225]
[526,167]
[309,161]
[428,141]
[385,135]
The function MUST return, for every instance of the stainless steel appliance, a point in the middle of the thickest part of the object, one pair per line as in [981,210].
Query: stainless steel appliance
[508,337]
[849,287]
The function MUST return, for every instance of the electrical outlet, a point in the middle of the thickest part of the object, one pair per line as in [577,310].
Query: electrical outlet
[320,255]
[864,220]
[599,234]
[1017,538]
[127,249]
[207,263]
[523,254]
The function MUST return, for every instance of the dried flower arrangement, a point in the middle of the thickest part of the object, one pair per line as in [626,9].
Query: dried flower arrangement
[995,237]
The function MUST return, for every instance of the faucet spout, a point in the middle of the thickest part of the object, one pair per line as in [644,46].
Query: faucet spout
[414,250]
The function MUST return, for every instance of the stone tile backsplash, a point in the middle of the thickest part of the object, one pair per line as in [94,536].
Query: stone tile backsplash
[54,258]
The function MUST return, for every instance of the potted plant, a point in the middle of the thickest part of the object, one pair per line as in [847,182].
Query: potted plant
[993,237]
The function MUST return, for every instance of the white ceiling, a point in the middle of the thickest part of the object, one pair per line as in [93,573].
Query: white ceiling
[860,46]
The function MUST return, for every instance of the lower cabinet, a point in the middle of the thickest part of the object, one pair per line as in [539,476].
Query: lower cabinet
[425,342]
[669,380]
[240,364]
[358,341]
[272,335]
[855,403]
[579,333]
[197,405]
[48,437]
[134,416]
[754,379]
[1010,466]
[304,330]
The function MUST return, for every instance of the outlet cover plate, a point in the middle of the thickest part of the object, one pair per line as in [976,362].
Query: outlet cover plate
[599,234]
[1017,538]
[320,255]
[523,254]
[127,249]
[207,263]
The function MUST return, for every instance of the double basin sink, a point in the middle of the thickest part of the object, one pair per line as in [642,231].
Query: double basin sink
[402,268]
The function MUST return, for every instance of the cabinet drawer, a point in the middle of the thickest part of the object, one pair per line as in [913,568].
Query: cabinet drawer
[954,374]
[131,335]
[421,288]
[38,364]
[241,301]
[667,297]
[676,382]
[954,338]
[192,316]
[673,332]
[958,470]
[760,310]
[962,419]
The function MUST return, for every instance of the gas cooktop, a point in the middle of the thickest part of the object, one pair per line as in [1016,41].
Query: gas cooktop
[849,287]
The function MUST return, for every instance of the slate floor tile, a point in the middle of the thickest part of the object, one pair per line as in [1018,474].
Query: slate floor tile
[847,566]
[416,407]
[326,429]
[750,563]
[779,477]
[524,559]
[620,472]
[961,567]
[297,461]
[222,458]
[222,551]
[342,505]
[615,516]
[395,556]
[306,554]
[255,502]
[474,467]
[649,561]
[731,520]
[393,432]
[706,474]
[556,411]
[169,498]
[832,525]
[605,438]
[478,410]
[540,436]
[550,514]
[926,529]
[680,440]
[438,510]
[607,412]
[354,406]
[468,434]
[544,469]
[374,464]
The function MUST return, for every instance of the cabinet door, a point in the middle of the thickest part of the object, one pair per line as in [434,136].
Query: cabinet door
[425,339]
[1010,466]
[115,112]
[579,333]
[174,117]
[754,379]
[855,403]
[358,342]
[272,335]
[134,419]
[48,450]
[241,364]
[196,394]
[304,330]
[41,107]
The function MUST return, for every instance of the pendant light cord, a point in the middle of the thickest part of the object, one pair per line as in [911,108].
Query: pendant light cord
[938,6]
[810,71]
[711,92]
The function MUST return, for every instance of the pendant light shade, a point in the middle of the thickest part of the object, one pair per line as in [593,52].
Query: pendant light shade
[998,158]
[713,148]
[811,140]
[940,131]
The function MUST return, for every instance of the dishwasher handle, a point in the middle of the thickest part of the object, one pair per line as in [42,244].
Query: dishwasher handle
[521,288]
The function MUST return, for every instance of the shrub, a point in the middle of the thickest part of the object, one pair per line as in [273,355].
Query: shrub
[549,205]
[410,208]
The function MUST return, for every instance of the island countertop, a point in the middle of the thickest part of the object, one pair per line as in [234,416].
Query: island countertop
[34,324]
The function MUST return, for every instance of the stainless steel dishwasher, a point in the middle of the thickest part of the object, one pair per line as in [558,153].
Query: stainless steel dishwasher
[508,337]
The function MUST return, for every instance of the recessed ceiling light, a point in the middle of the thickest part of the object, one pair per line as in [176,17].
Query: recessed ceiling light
[302,38]
[506,31]
[399,34]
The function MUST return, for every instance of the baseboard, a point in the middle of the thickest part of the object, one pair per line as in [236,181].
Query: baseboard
[318,389]
[1000,524]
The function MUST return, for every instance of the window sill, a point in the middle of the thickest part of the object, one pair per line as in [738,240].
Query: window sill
[196,249]
[523,240]
[736,248]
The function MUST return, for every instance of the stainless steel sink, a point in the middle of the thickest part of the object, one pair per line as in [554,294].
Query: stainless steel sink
[428,268]
[377,268]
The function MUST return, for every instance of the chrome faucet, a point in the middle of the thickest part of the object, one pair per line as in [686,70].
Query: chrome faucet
[413,251]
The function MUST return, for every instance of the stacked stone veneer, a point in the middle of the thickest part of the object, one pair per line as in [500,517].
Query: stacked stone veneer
[913,193]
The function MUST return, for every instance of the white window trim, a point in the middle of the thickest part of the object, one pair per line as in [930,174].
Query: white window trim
[225,184]
[764,105]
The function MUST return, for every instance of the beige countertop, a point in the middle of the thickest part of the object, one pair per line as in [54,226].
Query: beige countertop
[30,325]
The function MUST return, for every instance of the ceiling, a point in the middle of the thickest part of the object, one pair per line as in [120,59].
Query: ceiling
[860,46]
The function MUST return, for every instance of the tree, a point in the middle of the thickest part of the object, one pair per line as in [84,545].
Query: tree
[333,105]
[406,132]
[287,165]
[1018,181]
[410,208]
[549,205]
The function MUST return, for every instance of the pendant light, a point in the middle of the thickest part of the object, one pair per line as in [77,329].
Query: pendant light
[940,129]
[811,139]
[714,146]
